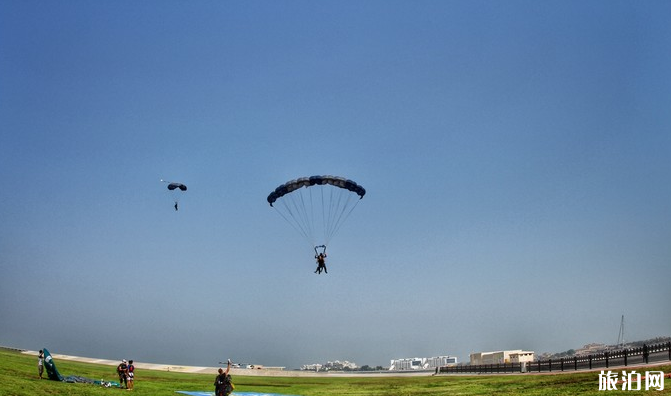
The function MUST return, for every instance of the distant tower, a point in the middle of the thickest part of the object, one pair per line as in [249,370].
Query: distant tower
[620,336]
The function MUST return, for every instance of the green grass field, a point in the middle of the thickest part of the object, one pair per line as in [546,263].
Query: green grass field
[18,376]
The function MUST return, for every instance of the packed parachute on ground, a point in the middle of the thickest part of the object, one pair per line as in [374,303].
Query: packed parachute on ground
[54,375]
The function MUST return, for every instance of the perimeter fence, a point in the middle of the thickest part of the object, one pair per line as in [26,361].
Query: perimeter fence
[646,354]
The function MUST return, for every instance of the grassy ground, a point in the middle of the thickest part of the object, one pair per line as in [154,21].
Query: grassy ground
[18,376]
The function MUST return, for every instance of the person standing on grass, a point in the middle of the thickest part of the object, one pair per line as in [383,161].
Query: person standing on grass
[122,370]
[40,363]
[131,375]
[222,384]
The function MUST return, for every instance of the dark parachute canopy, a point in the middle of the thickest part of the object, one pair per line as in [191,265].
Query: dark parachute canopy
[318,210]
[173,186]
[336,181]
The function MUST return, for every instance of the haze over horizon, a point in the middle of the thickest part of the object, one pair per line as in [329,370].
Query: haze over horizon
[516,158]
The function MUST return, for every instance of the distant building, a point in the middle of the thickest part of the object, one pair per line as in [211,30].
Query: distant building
[498,357]
[422,363]
[336,366]
[522,356]
[591,349]
[312,367]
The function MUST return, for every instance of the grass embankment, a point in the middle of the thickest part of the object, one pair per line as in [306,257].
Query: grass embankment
[18,377]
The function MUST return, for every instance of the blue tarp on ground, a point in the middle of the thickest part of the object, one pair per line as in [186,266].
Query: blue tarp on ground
[232,394]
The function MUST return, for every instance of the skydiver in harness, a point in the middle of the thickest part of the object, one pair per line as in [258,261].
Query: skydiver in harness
[223,385]
[321,259]
[176,209]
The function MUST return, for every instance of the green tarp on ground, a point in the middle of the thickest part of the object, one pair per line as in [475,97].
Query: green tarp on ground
[54,375]
[50,366]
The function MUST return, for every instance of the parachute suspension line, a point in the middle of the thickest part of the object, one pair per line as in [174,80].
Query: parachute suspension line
[332,212]
[335,209]
[311,216]
[340,222]
[295,224]
[291,204]
[305,214]
[305,211]
[342,212]
[321,190]
[329,215]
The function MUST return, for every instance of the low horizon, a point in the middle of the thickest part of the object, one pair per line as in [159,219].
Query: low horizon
[657,339]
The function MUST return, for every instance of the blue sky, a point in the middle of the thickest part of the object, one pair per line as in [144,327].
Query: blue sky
[516,157]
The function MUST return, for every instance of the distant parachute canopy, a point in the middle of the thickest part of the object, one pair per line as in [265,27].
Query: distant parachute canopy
[318,210]
[173,186]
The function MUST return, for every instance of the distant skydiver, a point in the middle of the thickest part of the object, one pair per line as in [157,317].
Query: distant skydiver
[176,190]
[321,260]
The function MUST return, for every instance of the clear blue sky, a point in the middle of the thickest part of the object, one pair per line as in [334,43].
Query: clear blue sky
[516,157]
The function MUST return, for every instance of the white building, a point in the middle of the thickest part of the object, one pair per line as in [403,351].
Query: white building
[422,363]
[522,356]
[499,357]
[336,366]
